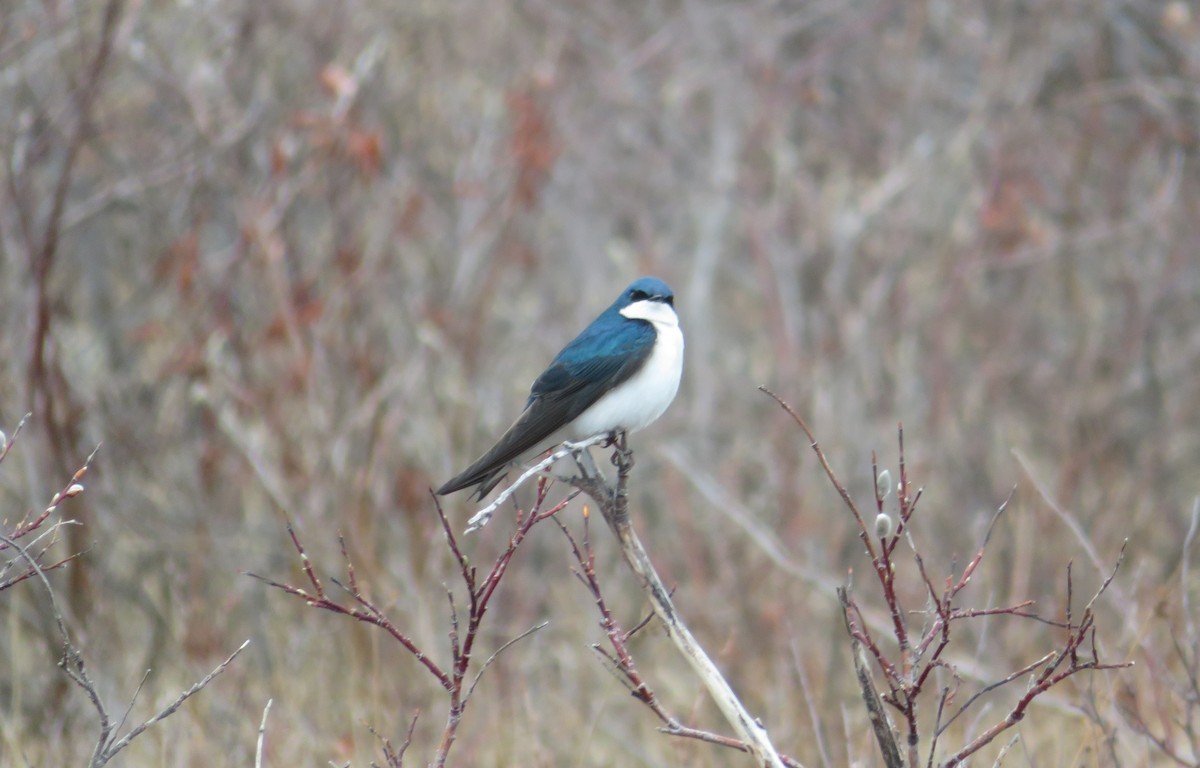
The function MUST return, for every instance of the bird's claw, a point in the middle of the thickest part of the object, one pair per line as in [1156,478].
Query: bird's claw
[622,457]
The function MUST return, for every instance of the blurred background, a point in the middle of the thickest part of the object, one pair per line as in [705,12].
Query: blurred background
[293,256]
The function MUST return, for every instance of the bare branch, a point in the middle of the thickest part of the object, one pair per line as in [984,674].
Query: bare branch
[73,665]
[484,667]
[112,749]
[262,735]
[484,516]
[7,443]
[864,533]
[1185,560]
[613,502]
[885,733]
[465,618]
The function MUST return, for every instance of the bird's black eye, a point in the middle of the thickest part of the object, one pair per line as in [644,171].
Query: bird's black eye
[637,295]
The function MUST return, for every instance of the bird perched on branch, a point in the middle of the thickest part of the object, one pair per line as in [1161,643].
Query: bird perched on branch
[619,375]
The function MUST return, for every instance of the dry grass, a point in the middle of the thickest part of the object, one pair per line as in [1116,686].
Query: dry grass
[308,257]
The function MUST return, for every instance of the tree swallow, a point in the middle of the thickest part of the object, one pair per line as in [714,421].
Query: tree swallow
[620,374]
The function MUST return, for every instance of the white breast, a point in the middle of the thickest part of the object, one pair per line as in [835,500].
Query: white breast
[645,395]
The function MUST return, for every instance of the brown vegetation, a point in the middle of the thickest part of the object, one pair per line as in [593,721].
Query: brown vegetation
[303,259]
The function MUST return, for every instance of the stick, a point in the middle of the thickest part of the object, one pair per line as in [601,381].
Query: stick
[484,516]
[614,504]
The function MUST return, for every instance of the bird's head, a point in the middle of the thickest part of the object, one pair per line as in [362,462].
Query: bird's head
[650,299]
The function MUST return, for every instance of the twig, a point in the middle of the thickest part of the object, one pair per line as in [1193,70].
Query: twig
[809,698]
[908,671]
[1068,519]
[841,489]
[620,662]
[1027,669]
[7,444]
[484,667]
[614,505]
[395,757]
[170,709]
[132,700]
[73,665]
[465,616]
[25,529]
[1004,751]
[885,734]
[484,516]
[71,662]
[947,694]
[1053,670]
[262,735]
[1183,568]
[368,613]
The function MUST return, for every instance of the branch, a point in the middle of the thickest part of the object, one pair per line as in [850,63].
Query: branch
[367,612]
[113,748]
[885,734]
[1052,668]
[465,621]
[620,659]
[508,644]
[614,504]
[484,516]
[908,668]
[107,746]
[837,484]
[6,442]
[395,757]
[262,735]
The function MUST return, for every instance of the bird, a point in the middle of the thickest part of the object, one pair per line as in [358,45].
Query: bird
[618,375]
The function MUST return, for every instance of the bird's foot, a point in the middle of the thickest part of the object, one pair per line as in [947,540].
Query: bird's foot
[622,457]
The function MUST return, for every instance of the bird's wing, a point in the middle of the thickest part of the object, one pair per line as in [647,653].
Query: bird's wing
[589,366]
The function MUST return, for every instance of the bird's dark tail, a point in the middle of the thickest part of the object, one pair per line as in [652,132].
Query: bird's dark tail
[486,478]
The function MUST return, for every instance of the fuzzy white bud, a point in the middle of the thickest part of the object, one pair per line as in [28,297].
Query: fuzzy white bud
[883,525]
[883,484]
